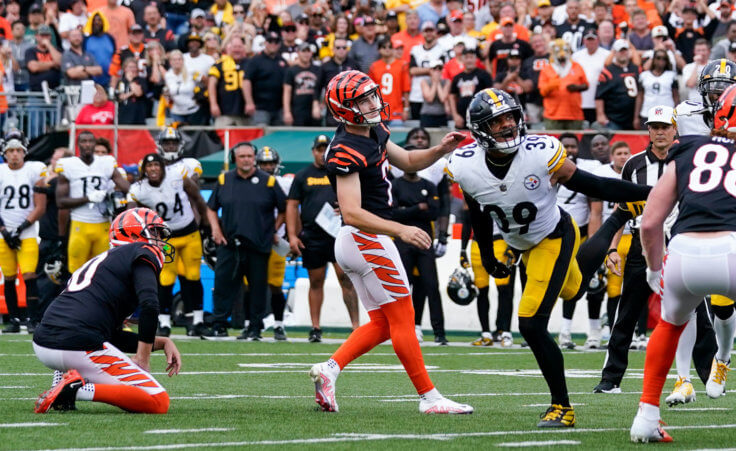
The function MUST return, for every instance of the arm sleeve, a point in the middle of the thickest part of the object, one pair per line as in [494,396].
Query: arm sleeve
[433,201]
[125,341]
[482,229]
[466,230]
[146,289]
[606,189]
[443,191]
[592,252]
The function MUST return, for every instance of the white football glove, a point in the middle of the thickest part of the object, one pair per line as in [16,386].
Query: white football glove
[439,249]
[97,195]
[654,280]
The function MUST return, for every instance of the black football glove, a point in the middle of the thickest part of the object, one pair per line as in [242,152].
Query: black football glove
[496,269]
[464,262]
[11,239]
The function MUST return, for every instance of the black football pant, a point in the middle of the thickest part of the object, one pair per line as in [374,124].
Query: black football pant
[232,264]
[424,285]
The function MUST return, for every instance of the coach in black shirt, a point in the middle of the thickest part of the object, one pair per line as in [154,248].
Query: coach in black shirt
[245,234]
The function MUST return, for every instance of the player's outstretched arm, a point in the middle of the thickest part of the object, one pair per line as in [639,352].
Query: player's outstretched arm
[419,159]
[483,232]
[591,185]
[660,203]
[348,197]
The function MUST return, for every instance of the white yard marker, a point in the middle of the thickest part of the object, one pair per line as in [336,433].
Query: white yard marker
[545,443]
[187,431]
[30,425]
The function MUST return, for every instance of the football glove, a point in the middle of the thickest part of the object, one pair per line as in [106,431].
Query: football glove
[11,239]
[464,261]
[440,248]
[654,280]
[96,196]
[496,269]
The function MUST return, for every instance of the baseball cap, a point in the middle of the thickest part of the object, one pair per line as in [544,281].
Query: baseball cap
[44,29]
[456,15]
[505,21]
[442,28]
[620,44]
[35,8]
[391,15]
[272,36]
[320,140]
[659,31]
[514,53]
[197,12]
[368,20]
[436,63]
[732,47]
[305,46]
[661,115]
[192,37]
[428,25]
[467,51]
[302,18]
[590,33]
[542,3]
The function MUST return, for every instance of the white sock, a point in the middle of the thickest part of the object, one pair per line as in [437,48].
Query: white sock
[86,393]
[198,317]
[685,348]
[58,375]
[486,335]
[164,320]
[333,368]
[649,412]
[594,324]
[246,324]
[724,330]
[566,326]
[432,395]
[278,324]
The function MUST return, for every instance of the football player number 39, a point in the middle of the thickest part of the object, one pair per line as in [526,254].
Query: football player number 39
[707,175]
[83,276]
[523,214]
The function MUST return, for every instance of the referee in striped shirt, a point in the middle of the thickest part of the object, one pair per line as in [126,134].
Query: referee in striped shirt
[644,168]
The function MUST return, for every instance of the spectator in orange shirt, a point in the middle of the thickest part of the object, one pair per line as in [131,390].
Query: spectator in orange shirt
[410,37]
[392,76]
[120,19]
[560,84]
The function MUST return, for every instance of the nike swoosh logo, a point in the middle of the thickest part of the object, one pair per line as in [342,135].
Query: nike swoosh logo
[342,169]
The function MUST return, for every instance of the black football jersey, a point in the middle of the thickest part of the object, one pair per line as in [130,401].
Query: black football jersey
[312,188]
[98,297]
[367,156]
[618,87]
[706,184]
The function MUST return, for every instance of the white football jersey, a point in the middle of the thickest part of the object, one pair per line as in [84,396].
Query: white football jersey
[168,199]
[16,194]
[83,179]
[423,58]
[434,173]
[690,120]
[192,166]
[577,204]
[523,204]
[607,171]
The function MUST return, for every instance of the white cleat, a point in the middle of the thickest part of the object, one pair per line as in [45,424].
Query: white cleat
[507,340]
[324,387]
[683,393]
[594,340]
[420,334]
[642,343]
[645,431]
[565,340]
[444,406]
[716,385]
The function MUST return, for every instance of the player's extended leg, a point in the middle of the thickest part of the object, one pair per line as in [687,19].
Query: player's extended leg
[100,238]
[28,261]
[684,392]
[167,278]
[482,282]
[505,287]
[724,325]
[106,375]
[192,293]
[551,272]
[80,245]
[276,272]
[9,267]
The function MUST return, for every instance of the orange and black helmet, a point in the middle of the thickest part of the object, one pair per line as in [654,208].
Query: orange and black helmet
[142,225]
[725,110]
[344,93]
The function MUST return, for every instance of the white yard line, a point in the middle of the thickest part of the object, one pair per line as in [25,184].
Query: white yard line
[187,431]
[357,437]
[544,443]
[30,425]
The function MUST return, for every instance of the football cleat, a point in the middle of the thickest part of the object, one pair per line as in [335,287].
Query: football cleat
[279,334]
[634,343]
[62,395]
[441,340]
[13,327]
[565,340]
[483,341]
[557,417]
[420,334]
[642,342]
[594,340]
[496,334]
[716,385]
[645,431]
[324,387]
[163,331]
[315,335]
[682,394]
[444,406]
[197,330]
[507,340]
[606,387]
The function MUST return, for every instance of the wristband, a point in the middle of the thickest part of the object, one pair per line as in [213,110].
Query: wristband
[611,251]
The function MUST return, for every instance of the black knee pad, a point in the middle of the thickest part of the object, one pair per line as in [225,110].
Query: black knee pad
[722,312]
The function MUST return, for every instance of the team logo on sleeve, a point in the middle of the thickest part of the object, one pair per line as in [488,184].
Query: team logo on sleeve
[531,182]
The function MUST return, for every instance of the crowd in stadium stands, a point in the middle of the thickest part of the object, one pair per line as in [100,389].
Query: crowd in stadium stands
[572,64]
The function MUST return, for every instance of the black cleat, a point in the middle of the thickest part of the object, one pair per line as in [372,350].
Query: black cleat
[315,335]
[215,332]
[441,340]
[197,330]
[606,387]
[279,334]
[557,417]
[163,331]
[13,327]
